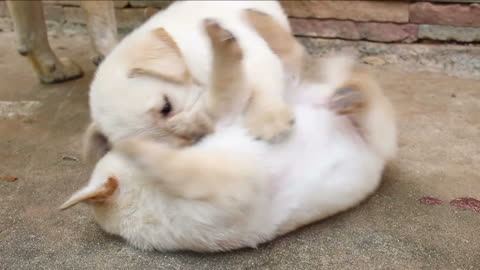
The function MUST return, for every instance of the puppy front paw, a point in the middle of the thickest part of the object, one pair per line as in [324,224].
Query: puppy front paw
[273,125]
[190,127]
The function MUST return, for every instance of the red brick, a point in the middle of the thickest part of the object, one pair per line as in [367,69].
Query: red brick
[381,32]
[441,14]
[325,28]
[388,32]
[365,11]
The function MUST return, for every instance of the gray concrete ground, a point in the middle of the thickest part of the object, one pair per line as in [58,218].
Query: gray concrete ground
[439,122]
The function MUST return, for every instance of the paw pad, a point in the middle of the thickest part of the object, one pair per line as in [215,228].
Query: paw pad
[347,100]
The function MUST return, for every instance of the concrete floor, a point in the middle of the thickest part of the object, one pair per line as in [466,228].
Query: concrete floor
[439,122]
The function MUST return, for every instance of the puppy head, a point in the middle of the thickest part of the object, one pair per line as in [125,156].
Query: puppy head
[140,86]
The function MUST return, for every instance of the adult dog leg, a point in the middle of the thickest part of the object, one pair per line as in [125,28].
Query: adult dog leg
[102,27]
[32,40]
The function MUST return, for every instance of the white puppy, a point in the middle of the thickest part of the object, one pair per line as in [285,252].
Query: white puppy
[231,191]
[148,84]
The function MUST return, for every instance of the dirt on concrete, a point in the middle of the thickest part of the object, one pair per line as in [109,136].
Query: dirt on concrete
[439,160]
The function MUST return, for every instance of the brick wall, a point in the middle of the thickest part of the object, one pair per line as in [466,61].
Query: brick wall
[387,21]
[379,21]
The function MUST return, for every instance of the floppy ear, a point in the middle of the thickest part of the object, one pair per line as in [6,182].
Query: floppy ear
[157,55]
[92,193]
[95,144]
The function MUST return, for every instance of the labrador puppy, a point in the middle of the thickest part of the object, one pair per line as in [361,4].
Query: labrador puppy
[231,191]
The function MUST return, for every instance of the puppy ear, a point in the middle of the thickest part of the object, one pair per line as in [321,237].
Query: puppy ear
[157,55]
[92,193]
[95,143]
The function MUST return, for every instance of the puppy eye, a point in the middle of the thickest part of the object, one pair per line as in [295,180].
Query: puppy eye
[167,107]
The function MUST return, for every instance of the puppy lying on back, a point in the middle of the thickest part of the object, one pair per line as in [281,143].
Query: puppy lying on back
[231,191]
[149,83]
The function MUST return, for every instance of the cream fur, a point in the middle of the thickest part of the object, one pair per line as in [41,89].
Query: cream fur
[231,191]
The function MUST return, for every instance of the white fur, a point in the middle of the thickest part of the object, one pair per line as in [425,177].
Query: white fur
[119,103]
[325,167]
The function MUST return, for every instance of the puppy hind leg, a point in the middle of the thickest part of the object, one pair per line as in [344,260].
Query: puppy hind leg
[363,100]
[347,100]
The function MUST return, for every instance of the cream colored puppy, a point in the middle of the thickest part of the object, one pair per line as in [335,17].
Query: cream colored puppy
[149,83]
[231,191]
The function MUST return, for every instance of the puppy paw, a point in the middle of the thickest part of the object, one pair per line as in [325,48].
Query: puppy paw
[190,127]
[347,100]
[273,125]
